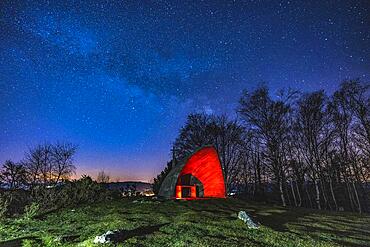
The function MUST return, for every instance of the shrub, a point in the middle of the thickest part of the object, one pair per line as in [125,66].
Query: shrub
[12,202]
[42,199]
[45,197]
[71,193]
[4,207]
[31,211]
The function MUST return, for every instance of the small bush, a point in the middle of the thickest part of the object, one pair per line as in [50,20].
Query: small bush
[31,243]
[31,211]
[71,193]
[40,199]
[12,202]
[4,207]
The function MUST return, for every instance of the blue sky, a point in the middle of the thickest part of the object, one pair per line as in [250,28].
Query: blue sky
[118,78]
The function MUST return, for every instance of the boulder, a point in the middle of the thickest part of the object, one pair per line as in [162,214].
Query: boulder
[247,220]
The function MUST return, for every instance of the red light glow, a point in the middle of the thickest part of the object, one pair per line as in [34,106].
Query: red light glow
[205,166]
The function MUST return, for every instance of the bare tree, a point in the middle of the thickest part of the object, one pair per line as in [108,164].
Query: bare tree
[315,135]
[33,163]
[225,135]
[357,98]
[253,166]
[194,134]
[229,140]
[351,118]
[269,119]
[12,174]
[50,163]
[46,164]
[102,177]
[63,166]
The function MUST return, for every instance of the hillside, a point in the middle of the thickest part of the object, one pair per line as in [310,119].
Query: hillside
[138,186]
[189,223]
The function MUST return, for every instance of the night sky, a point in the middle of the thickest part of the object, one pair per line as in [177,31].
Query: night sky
[118,78]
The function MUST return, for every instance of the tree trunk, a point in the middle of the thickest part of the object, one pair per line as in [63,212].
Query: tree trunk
[255,188]
[309,198]
[317,194]
[357,198]
[323,189]
[282,192]
[259,183]
[332,194]
[350,197]
[299,195]
[294,198]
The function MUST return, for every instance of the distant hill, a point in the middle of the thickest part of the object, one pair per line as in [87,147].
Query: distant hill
[123,186]
[139,186]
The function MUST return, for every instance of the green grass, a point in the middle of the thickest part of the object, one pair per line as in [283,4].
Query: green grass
[189,223]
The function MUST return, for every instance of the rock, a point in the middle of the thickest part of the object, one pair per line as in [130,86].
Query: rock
[105,238]
[247,220]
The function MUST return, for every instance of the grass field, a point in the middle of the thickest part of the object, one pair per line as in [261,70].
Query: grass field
[189,223]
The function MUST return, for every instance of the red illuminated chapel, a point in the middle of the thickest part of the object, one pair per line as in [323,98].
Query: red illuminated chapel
[198,176]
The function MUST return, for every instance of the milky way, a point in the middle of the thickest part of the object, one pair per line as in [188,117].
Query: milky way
[118,78]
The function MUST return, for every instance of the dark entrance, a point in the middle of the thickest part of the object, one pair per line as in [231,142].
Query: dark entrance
[189,186]
[185,191]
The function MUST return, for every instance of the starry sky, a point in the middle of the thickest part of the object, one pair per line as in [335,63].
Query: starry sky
[118,78]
